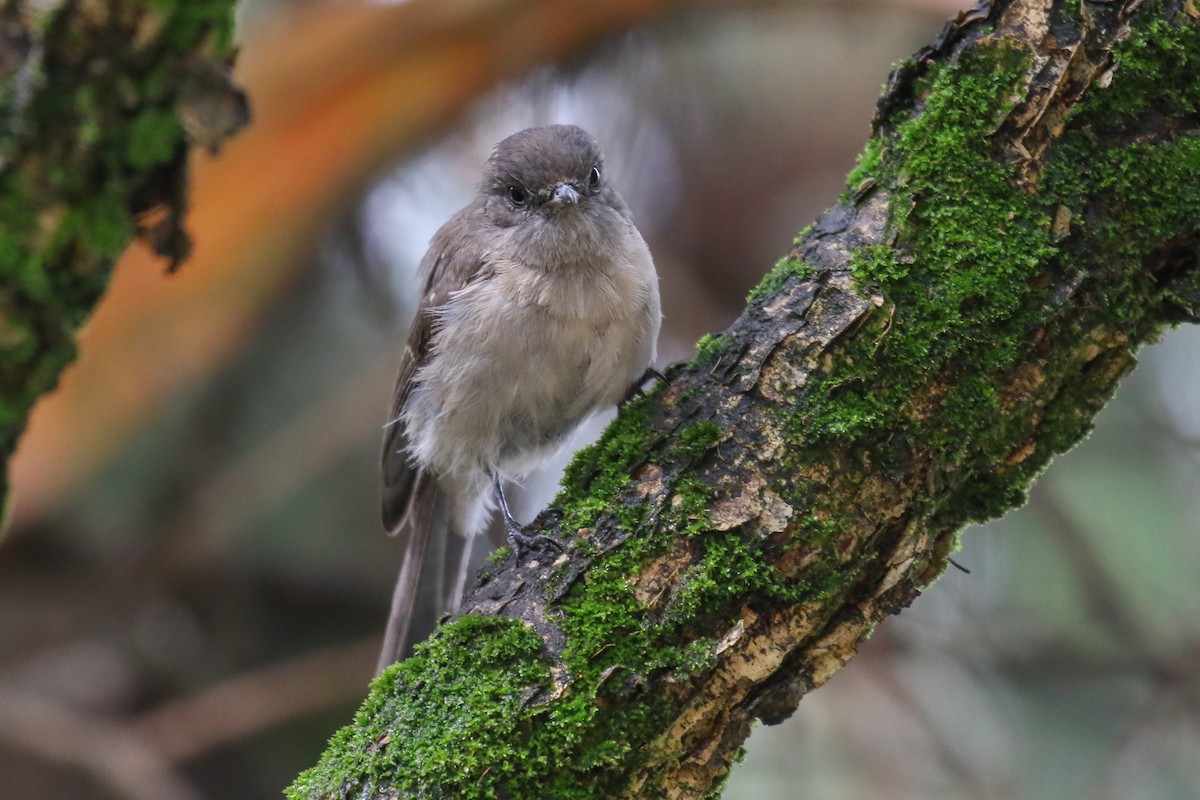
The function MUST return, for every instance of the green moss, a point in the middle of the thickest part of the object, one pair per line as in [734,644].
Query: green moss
[101,221]
[154,136]
[690,501]
[1154,78]
[1139,195]
[730,565]
[956,284]
[602,614]
[462,728]
[601,470]
[818,530]
[1145,195]
[710,348]
[971,241]
[18,219]
[786,269]
[689,660]
[972,247]
[865,168]
[609,639]
[698,438]
[187,21]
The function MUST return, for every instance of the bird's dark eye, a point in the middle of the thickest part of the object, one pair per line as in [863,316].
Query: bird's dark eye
[518,196]
[594,178]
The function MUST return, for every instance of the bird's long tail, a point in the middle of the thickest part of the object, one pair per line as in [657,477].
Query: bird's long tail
[424,513]
[438,560]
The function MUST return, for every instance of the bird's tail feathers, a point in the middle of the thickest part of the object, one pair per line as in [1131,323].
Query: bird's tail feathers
[444,547]
[423,513]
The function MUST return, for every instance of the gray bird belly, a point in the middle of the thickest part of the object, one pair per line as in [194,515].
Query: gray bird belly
[522,379]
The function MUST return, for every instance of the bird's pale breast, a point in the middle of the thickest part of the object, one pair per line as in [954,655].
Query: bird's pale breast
[537,352]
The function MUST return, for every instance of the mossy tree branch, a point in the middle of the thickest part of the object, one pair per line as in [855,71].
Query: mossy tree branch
[1026,214]
[98,104]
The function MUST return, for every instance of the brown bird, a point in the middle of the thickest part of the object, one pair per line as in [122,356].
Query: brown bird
[540,306]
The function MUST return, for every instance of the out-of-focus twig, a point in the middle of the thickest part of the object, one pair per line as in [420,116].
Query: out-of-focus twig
[940,744]
[253,701]
[133,765]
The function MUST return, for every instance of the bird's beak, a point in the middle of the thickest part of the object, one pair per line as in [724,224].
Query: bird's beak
[564,195]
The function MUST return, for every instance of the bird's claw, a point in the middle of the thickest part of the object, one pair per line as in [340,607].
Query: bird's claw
[636,390]
[522,541]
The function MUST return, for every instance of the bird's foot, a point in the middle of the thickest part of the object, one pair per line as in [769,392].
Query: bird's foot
[636,390]
[521,541]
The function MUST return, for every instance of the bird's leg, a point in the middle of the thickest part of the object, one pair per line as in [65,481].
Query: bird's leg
[635,390]
[518,538]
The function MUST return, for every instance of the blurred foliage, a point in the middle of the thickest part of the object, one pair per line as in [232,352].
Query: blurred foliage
[210,578]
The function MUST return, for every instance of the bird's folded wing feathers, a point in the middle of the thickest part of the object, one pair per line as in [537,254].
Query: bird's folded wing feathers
[450,264]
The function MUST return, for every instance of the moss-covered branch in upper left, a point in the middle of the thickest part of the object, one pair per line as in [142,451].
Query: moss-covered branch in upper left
[98,104]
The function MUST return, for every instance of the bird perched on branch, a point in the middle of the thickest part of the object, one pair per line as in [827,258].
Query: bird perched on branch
[539,306]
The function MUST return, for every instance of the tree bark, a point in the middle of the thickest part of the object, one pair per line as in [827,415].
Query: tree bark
[1025,215]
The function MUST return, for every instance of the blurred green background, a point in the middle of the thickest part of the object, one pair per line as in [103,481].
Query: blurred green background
[195,581]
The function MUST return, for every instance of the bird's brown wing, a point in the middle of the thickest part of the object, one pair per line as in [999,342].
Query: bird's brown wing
[411,497]
[453,260]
